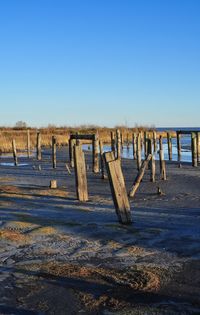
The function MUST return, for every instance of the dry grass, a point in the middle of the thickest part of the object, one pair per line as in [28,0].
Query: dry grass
[62,136]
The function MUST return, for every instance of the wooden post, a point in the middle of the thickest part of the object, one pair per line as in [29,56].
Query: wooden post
[122,141]
[54,151]
[118,138]
[140,175]
[118,188]
[127,141]
[112,134]
[28,144]
[198,146]
[53,184]
[71,151]
[80,174]
[155,141]
[96,153]
[194,149]
[169,143]
[14,152]
[139,157]
[178,137]
[102,159]
[134,146]
[152,162]
[162,161]
[145,144]
[38,149]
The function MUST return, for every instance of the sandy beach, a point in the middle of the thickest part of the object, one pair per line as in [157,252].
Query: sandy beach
[61,256]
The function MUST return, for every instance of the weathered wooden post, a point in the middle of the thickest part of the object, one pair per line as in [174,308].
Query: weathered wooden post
[198,146]
[139,176]
[155,141]
[112,134]
[178,137]
[80,174]
[145,144]
[28,144]
[162,161]
[101,159]
[139,156]
[14,152]
[134,146]
[122,141]
[118,138]
[38,144]
[152,162]
[96,153]
[71,151]
[118,188]
[169,143]
[54,151]
[194,149]
[127,142]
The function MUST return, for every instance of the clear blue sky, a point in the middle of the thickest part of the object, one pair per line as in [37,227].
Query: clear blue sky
[101,62]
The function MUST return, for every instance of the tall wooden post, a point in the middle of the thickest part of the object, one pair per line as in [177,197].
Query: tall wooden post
[127,141]
[101,159]
[169,143]
[152,161]
[118,138]
[96,153]
[198,146]
[162,160]
[155,141]
[145,144]
[194,149]
[122,141]
[14,152]
[28,144]
[54,151]
[112,136]
[118,188]
[139,156]
[178,137]
[134,146]
[71,151]
[38,149]
[80,174]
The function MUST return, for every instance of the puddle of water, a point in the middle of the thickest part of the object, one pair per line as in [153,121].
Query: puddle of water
[12,164]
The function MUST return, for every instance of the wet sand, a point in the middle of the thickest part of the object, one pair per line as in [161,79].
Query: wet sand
[60,256]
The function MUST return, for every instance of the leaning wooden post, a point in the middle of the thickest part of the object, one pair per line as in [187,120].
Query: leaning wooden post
[152,162]
[118,144]
[169,143]
[118,188]
[134,146]
[194,149]
[28,144]
[162,161]
[38,149]
[140,175]
[198,146]
[178,137]
[80,174]
[139,156]
[54,151]
[101,159]
[96,153]
[14,152]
